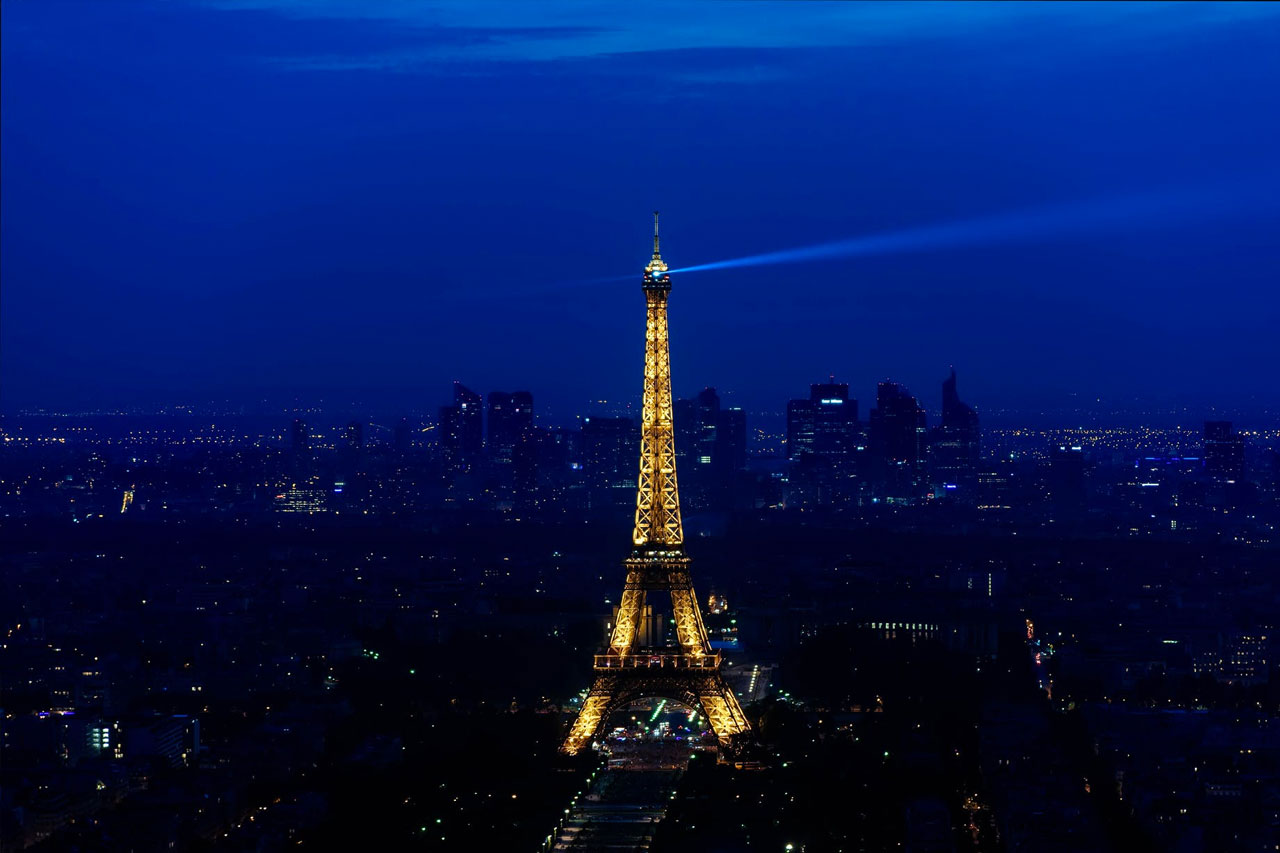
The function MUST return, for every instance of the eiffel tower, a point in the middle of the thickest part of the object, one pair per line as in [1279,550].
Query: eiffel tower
[627,670]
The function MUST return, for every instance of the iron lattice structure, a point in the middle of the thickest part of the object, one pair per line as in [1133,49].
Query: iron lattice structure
[627,671]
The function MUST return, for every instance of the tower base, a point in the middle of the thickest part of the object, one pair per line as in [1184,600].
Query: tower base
[693,682]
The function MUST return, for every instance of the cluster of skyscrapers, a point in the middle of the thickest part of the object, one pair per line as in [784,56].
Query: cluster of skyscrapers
[487,451]
[498,448]
[893,454]
[505,455]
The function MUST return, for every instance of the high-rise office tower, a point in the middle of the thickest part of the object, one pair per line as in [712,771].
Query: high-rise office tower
[731,441]
[510,423]
[1223,452]
[697,421]
[711,445]
[559,461]
[956,442]
[608,463]
[511,444]
[708,423]
[801,417]
[688,430]
[825,425]
[898,438]
[462,428]
[835,425]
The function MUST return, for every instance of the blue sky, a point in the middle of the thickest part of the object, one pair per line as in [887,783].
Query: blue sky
[356,200]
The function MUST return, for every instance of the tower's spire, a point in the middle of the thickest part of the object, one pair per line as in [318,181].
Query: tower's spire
[657,268]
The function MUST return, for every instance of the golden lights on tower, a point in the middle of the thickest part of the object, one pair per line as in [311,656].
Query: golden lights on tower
[689,673]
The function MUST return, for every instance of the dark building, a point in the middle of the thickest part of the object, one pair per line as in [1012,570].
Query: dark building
[825,425]
[801,415]
[711,445]
[1066,484]
[898,439]
[824,443]
[687,430]
[610,461]
[731,441]
[462,428]
[708,409]
[559,461]
[511,444]
[956,442]
[696,425]
[1223,452]
[510,423]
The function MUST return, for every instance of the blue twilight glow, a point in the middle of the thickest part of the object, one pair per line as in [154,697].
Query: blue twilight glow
[251,164]
[1145,211]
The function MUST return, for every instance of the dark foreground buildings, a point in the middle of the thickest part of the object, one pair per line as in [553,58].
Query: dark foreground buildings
[225,633]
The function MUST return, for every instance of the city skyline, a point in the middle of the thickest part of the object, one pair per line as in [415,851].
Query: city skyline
[366,483]
[182,257]
[935,595]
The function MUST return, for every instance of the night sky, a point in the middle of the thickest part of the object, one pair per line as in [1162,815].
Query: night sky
[248,199]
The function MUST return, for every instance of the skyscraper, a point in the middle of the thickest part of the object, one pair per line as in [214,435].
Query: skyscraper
[708,424]
[608,446]
[697,422]
[462,428]
[510,423]
[711,445]
[824,425]
[511,444]
[824,441]
[898,439]
[801,417]
[956,442]
[731,441]
[687,431]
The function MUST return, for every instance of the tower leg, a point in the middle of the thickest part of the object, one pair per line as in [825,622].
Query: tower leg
[592,716]
[689,628]
[627,625]
[723,710]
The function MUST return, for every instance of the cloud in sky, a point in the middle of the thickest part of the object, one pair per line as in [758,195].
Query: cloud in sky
[551,31]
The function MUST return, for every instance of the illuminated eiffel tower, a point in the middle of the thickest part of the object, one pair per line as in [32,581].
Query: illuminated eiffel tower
[688,673]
